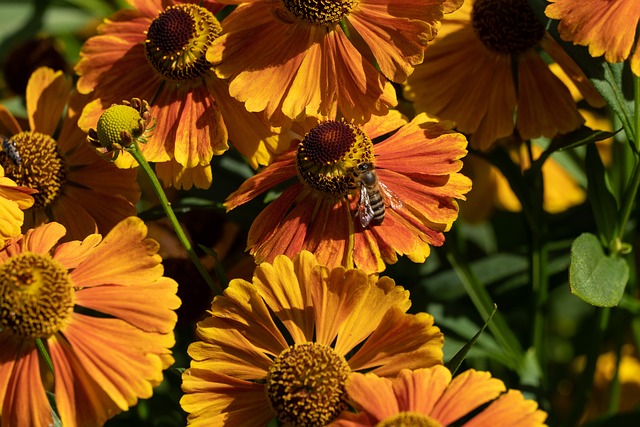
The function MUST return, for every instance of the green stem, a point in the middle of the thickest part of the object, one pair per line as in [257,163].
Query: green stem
[166,205]
[45,354]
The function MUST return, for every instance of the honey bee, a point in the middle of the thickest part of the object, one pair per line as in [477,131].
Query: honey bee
[9,148]
[373,193]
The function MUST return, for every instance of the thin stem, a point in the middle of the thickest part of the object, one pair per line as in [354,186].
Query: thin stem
[166,205]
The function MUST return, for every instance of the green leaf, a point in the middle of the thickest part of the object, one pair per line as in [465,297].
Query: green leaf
[459,357]
[595,277]
[603,204]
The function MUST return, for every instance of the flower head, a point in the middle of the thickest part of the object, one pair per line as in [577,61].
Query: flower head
[428,397]
[246,370]
[606,27]
[74,186]
[295,57]
[359,203]
[105,313]
[467,75]
[156,52]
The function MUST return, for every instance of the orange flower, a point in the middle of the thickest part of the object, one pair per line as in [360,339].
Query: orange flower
[295,57]
[14,200]
[156,52]
[246,371]
[418,171]
[104,312]
[75,187]
[428,397]
[607,26]
[467,75]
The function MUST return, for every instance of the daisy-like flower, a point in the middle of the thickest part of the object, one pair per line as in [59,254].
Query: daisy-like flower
[75,186]
[336,165]
[429,397]
[467,75]
[295,57]
[607,27]
[246,371]
[103,310]
[14,200]
[156,52]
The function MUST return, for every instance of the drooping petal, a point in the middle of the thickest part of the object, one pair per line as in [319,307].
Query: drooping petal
[173,173]
[46,97]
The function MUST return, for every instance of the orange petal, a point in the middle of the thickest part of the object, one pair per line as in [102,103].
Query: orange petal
[47,93]
[42,239]
[71,213]
[420,390]
[71,254]
[373,395]
[330,234]
[510,409]
[9,126]
[381,125]
[172,173]
[10,349]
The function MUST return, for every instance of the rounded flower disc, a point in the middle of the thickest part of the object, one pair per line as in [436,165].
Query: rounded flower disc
[246,370]
[74,186]
[105,313]
[357,203]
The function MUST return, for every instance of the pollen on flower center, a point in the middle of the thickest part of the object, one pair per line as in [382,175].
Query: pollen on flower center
[36,295]
[43,166]
[306,385]
[178,39]
[413,419]
[319,12]
[328,155]
[506,26]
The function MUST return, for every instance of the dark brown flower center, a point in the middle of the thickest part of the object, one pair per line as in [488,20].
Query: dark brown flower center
[319,12]
[42,166]
[178,39]
[328,155]
[506,26]
[305,385]
[36,295]
[409,419]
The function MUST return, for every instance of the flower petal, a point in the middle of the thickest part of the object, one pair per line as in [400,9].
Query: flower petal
[46,97]
[373,395]
[510,409]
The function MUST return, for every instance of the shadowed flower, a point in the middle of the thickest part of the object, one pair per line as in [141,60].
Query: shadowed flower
[75,187]
[335,209]
[157,52]
[246,371]
[14,200]
[607,27]
[467,75]
[292,57]
[429,398]
[104,312]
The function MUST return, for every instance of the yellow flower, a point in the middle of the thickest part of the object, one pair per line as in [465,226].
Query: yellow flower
[295,57]
[75,187]
[105,313]
[156,52]
[246,370]
[324,209]
[606,26]
[467,75]
[428,397]
[14,200]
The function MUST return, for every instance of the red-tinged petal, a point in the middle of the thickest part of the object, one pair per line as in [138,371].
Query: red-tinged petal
[8,124]
[172,173]
[139,306]
[397,43]
[400,341]
[71,254]
[124,361]
[288,296]
[10,350]
[232,353]
[280,170]
[78,222]
[125,257]
[511,409]
[373,395]
[466,392]
[545,104]
[330,234]
[422,389]
[215,399]
[150,8]
[25,402]
[46,97]
[364,318]
[249,133]
[366,252]
[80,402]
[381,125]
[243,306]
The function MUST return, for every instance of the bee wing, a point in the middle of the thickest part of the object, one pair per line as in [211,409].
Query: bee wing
[391,197]
[365,211]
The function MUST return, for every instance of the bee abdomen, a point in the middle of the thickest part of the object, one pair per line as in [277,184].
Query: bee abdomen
[377,205]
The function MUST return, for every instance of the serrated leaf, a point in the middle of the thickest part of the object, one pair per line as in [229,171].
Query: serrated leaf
[595,277]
